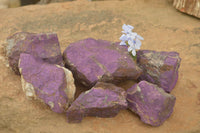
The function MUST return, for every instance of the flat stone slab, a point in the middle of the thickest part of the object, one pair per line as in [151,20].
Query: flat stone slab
[191,7]
[160,68]
[103,100]
[93,60]
[52,84]
[150,102]
[43,45]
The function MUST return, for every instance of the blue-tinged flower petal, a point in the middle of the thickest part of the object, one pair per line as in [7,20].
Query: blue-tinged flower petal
[123,32]
[130,42]
[123,37]
[133,52]
[131,35]
[130,49]
[127,28]
[134,34]
[138,44]
[122,43]
[124,26]
[130,27]
[139,37]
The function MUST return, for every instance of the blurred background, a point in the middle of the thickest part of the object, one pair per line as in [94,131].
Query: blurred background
[17,3]
[191,7]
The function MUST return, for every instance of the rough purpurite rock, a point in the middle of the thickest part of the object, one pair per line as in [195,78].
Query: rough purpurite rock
[150,102]
[191,7]
[160,68]
[103,100]
[52,84]
[43,45]
[93,60]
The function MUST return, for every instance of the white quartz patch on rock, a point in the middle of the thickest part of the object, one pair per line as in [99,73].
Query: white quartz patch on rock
[71,88]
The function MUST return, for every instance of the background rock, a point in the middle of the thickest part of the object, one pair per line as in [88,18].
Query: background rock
[51,1]
[191,7]
[163,28]
[9,3]
[27,2]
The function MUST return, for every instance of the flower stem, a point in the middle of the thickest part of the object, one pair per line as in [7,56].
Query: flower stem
[134,57]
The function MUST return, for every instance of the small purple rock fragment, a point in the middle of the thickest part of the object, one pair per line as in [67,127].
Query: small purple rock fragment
[103,100]
[43,45]
[93,60]
[150,102]
[160,68]
[52,84]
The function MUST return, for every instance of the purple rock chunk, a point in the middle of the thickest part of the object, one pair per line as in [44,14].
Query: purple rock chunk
[52,84]
[150,102]
[160,68]
[43,45]
[103,100]
[93,60]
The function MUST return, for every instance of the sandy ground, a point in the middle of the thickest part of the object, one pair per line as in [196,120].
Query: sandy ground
[163,28]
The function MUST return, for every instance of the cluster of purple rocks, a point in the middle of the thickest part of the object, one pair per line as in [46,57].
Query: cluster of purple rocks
[100,65]
[38,59]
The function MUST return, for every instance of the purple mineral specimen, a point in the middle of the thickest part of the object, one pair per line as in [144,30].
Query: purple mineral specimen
[103,100]
[150,102]
[160,68]
[97,60]
[43,45]
[52,84]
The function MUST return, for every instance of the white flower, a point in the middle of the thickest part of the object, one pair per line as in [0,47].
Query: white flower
[122,43]
[132,39]
[137,43]
[131,36]
[123,39]
[132,48]
[127,28]
[139,37]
